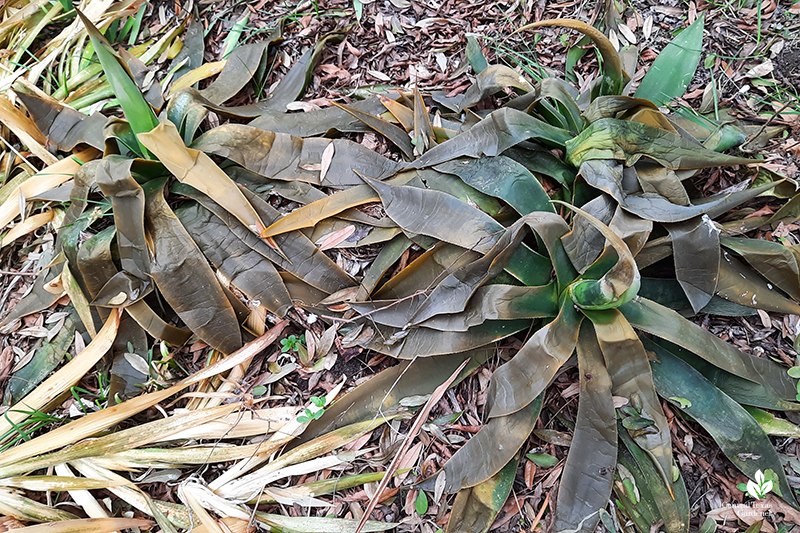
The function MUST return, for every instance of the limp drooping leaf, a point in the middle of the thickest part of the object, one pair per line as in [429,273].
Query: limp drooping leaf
[490,80]
[195,168]
[695,248]
[475,508]
[739,436]
[283,156]
[318,121]
[662,322]
[629,141]
[503,178]
[589,472]
[740,284]
[515,384]
[674,68]
[773,260]
[186,281]
[64,126]
[396,135]
[607,176]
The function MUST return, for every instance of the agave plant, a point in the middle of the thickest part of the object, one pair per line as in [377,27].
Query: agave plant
[539,220]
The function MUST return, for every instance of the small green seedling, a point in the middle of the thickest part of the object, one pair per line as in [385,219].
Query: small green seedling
[309,415]
[292,343]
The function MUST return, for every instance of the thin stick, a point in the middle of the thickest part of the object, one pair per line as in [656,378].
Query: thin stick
[421,418]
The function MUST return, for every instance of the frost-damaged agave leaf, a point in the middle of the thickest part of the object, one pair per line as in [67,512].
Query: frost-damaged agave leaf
[695,249]
[518,382]
[492,79]
[59,483]
[446,218]
[248,270]
[589,471]
[396,135]
[486,453]
[388,256]
[584,242]
[610,106]
[318,121]
[63,379]
[283,156]
[503,178]
[607,176]
[663,322]
[455,186]
[305,260]
[62,125]
[475,508]
[537,159]
[628,141]
[88,525]
[15,505]
[670,504]
[493,135]
[674,68]
[184,278]
[736,432]
[127,197]
[740,284]
[314,524]
[614,78]
[773,260]
[195,168]
[630,374]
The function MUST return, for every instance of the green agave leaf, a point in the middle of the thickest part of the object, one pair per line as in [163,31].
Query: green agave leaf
[629,141]
[695,248]
[630,374]
[669,293]
[773,425]
[184,278]
[589,471]
[475,508]
[517,383]
[455,186]
[555,101]
[491,79]
[662,322]
[486,453]
[502,178]
[673,69]
[137,110]
[776,262]
[657,502]
[740,284]
[737,433]
[539,160]
[607,176]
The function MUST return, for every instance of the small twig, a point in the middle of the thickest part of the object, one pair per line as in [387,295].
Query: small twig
[19,154]
[10,273]
[762,128]
[415,429]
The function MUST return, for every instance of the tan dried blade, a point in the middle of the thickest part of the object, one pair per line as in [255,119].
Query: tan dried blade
[87,525]
[25,130]
[30,225]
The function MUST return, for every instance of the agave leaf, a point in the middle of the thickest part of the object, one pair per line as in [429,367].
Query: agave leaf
[388,256]
[305,260]
[313,524]
[539,160]
[630,374]
[740,284]
[555,101]
[131,344]
[493,135]
[401,113]
[607,176]
[489,450]
[282,156]
[739,436]
[184,278]
[674,68]
[198,170]
[88,525]
[668,292]
[612,106]
[61,380]
[296,191]
[58,483]
[455,186]
[660,180]
[584,242]
[446,218]
[318,121]
[695,248]
[670,503]
[772,425]
[503,178]
[665,323]
[490,80]
[247,270]
[78,299]
[396,135]
[589,471]
[39,297]
[475,508]
[62,125]
[45,360]
[773,260]
[137,110]
[629,141]
[518,382]
[25,130]
[241,65]
[133,283]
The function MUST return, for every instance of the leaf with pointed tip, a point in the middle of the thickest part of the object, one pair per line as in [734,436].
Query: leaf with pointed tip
[475,508]
[64,126]
[662,322]
[629,141]
[740,284]
[695,249]
[318,121]
[492,79]
[396,135]
[539,160]
[773,260]
[739,436]
[588,474]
